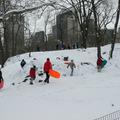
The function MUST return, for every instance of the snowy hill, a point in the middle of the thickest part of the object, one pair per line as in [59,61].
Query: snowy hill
[84,96]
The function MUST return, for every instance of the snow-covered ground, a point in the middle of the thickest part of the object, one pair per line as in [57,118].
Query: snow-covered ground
[84,96]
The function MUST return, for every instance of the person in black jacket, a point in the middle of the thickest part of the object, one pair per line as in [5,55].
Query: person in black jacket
[1,78]
[22,63]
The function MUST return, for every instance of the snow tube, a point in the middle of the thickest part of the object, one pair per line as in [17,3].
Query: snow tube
[104,63]
[54,73]
[1,84]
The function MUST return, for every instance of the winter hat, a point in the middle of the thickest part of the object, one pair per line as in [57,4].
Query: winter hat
[34,66]
[48,59]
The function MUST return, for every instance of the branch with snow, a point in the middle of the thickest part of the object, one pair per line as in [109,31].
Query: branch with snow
[11,12]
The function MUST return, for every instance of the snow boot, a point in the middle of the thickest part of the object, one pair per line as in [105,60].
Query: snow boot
[31,83]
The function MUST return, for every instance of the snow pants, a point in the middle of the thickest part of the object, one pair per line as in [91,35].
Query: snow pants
[31,80]
[71,72]
[99,68]
[47,77]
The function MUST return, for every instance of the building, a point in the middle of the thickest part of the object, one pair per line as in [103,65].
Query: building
[118,36]
[54,31]
[39,37]
[68,31]
[66,27]
[38,40]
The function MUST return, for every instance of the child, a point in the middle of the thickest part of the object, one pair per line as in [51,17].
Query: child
[32,74]
[99,64]
[22,63]
[72,66]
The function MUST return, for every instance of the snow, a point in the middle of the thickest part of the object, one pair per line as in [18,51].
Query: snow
[84,96]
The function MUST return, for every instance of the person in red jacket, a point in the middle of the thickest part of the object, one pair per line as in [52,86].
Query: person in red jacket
[47,67]
[32,74]
[99,63]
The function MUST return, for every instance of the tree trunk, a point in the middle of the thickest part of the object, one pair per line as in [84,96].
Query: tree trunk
[13,38]
[97,31]
[6,55]
[16,40]
[1,51]
[115,30]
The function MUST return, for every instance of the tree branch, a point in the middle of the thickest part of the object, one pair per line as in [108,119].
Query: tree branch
[11,12]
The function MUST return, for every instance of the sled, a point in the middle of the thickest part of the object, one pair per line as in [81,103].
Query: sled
[1,84]
[54,73]
[104,63]
[66,63]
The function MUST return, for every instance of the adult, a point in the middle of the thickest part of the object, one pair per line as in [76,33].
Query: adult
[57,47]
[47,67]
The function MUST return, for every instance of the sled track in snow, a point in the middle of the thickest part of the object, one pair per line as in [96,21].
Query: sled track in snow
[112,116]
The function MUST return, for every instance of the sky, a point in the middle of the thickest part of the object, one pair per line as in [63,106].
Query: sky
[86,95]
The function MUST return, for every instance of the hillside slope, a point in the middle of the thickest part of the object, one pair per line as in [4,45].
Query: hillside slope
[85,95]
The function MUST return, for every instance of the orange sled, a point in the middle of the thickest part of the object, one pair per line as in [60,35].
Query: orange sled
[54,73]
[66,63]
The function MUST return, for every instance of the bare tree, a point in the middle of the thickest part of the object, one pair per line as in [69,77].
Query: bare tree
[1,51]
[5,5]
[16,12]
[115,30]
[101,12]
[46,17]
[81,11]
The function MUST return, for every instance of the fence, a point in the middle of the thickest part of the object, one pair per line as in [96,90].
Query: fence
[112,116]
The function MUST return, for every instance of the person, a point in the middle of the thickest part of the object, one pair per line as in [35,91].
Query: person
[77,45]
[22,63]
[99,63]
[62,46]
[32,74]
[73,46]
[68,46]
[47,67]
[57,47]
[72,66]
[1,78]
[38,48]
